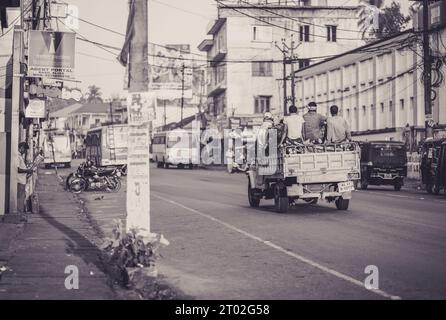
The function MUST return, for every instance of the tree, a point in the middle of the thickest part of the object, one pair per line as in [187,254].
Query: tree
[94,94]
[390,19]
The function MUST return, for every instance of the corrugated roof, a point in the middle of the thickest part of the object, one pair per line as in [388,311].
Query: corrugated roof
[94,108]
[79,108]
[65,112]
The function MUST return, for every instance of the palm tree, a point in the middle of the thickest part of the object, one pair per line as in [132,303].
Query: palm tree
[94,94]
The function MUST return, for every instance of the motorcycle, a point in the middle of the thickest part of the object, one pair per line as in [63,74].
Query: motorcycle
[91,178]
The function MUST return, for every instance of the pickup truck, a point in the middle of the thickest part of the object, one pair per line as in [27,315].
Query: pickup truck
[307,172]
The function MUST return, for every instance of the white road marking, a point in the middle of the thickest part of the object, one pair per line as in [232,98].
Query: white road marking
[280,249]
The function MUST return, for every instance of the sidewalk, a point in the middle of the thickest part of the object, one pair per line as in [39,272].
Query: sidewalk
[58,237]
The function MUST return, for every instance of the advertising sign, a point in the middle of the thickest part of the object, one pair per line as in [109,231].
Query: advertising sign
[51,54]
[166,71]
[35,109]
[141,108]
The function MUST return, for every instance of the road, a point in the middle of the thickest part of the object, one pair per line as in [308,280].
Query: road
[223,249]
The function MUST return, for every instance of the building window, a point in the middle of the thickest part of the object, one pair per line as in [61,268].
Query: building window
[262,33]
[331,33]
[262,104]
[261,69]
[382,107]
[304,63]
[304,33]
[402,104]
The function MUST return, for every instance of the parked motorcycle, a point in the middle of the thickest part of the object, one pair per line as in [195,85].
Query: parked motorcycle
[88,177]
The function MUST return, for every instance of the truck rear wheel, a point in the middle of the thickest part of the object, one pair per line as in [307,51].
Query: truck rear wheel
[281,201]
[342,204]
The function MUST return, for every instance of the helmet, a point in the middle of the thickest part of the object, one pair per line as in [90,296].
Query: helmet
[268,116]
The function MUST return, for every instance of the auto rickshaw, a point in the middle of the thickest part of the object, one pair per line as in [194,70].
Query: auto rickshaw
[383,163]
[433,165]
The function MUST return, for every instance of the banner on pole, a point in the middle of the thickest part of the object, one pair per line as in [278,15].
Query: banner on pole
[141,108]
[51,54]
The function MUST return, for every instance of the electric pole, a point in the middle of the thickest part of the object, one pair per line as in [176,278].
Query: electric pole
[182,93]
[427,71]
[288,59]
[138,177]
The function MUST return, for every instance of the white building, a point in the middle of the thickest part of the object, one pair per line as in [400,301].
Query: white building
[246,68]
[377,87]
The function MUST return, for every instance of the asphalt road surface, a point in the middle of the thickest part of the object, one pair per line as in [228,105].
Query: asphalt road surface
[223,249]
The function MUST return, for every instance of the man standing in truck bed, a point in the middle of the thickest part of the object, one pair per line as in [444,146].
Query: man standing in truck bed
[314,124]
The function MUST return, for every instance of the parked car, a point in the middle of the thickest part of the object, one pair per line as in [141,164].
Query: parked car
[433,165]
[383,163]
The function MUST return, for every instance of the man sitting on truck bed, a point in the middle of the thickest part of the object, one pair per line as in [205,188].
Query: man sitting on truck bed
[293,126]
[314,123]
[338,129]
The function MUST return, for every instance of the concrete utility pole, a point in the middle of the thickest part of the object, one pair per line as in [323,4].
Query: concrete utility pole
[288,59]
[138,177]
[427,71]
[182,93]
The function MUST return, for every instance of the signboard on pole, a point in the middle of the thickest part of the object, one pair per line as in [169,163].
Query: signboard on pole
[141,108]
[51,54]
[35,109]
[141,111]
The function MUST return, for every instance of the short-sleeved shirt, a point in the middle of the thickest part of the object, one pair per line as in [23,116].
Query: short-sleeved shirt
[21,177]
[337,129]
[294,123]
[313,125]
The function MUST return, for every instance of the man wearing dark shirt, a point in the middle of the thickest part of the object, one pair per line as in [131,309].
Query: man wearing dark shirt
[314,123]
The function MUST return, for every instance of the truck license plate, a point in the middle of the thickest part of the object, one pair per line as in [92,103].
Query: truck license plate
[387,176]
[346,186]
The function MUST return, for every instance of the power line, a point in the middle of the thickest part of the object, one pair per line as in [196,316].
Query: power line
[181,9]
[275,25]
[122,34]
[25,11]
[376,84]
[293,18]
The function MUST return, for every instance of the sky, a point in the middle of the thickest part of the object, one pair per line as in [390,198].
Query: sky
[170,22]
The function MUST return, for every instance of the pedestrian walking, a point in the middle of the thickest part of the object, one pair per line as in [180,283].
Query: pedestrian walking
[22,174]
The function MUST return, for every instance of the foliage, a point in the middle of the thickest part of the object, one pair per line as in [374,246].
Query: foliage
[94,94]
[391,20]
[132,249]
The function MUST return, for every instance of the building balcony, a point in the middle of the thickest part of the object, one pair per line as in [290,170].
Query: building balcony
[218,56]
[215,90]
[206,45]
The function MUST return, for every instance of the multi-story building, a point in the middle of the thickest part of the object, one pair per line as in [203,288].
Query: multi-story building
[378,87]
[245,71]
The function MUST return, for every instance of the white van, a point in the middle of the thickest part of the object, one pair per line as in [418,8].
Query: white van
[172,148]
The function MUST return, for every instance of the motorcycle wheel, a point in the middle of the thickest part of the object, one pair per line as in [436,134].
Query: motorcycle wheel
[78,185]
[68,180]
[114,185]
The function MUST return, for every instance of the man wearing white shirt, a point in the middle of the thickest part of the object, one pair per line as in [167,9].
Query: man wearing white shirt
[293,126]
